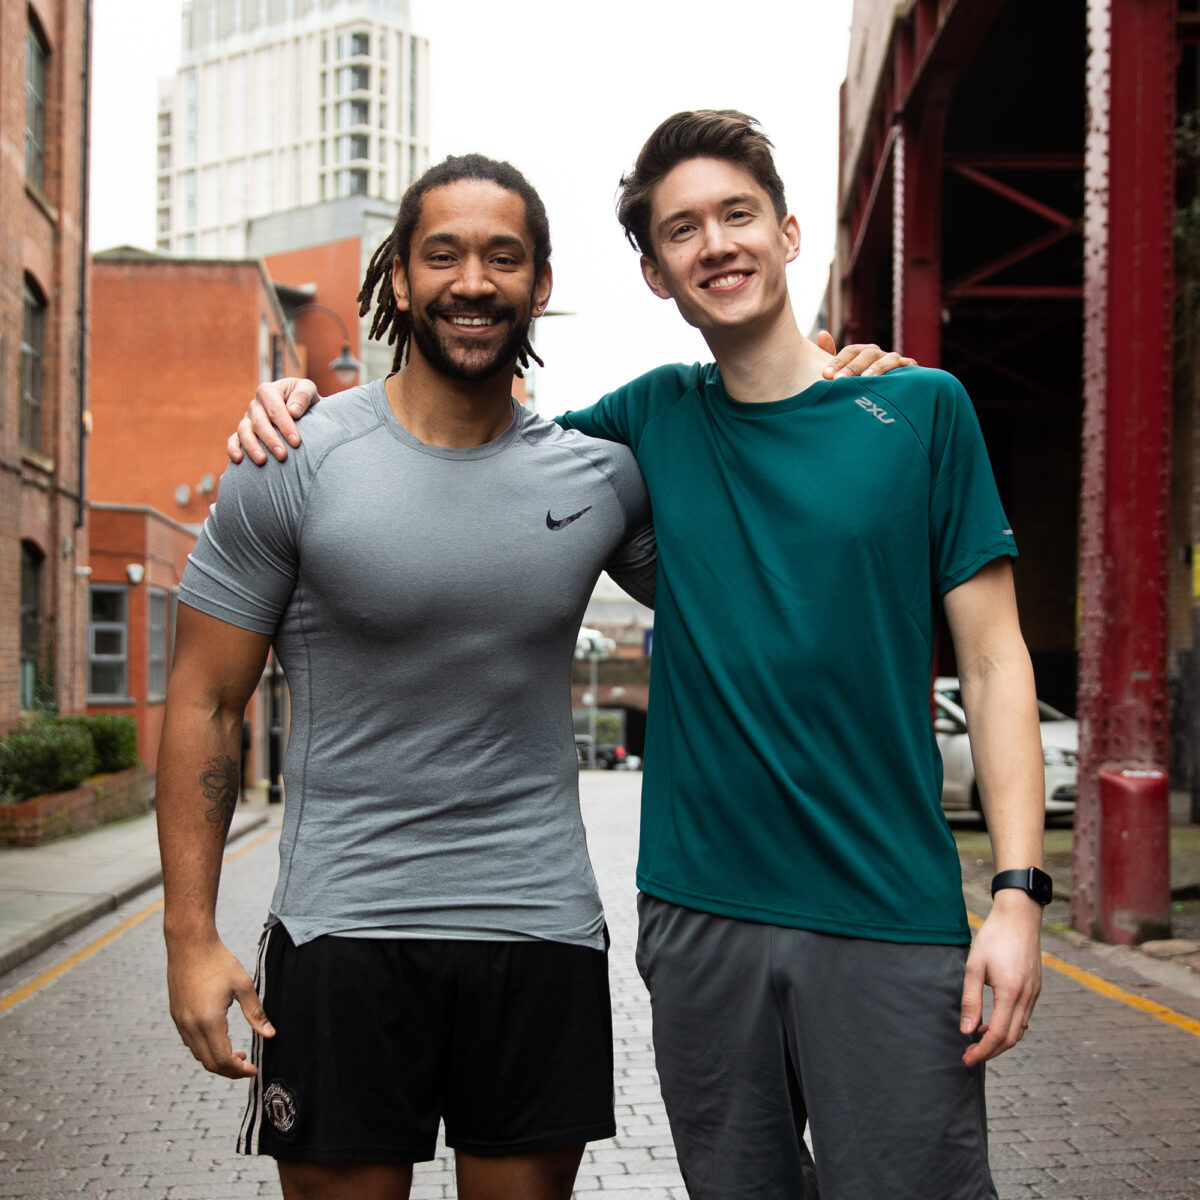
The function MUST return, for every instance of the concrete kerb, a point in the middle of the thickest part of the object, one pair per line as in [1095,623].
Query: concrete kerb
[40,935]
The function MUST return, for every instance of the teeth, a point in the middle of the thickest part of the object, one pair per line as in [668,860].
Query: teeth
[470,320]
[726,280]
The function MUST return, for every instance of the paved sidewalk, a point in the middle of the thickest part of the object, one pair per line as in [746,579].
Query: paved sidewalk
[48,892]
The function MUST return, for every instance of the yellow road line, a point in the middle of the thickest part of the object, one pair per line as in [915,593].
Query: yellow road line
[1161,1011]
[49,976]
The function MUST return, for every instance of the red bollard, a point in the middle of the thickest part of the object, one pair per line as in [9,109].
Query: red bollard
[1135,854]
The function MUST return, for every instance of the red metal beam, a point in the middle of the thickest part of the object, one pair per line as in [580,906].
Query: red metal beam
[961,286]
[1128,302]
[1015,195]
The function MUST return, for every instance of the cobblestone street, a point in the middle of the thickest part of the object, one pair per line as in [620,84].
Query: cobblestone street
[99,1098]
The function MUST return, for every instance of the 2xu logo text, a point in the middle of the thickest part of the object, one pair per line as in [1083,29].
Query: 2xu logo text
[878,413]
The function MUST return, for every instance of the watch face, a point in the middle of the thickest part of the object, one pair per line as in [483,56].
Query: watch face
[1040,886]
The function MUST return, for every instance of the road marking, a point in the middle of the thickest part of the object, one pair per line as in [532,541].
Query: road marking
[50,975]
[1161,1011]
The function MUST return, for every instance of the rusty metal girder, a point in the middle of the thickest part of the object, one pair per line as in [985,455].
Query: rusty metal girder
[1128,295]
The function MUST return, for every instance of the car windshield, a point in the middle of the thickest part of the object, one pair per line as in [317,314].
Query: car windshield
[1046,712]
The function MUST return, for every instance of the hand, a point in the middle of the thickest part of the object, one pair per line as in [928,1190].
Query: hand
[858,359]
[274,406]
[203,981]
[1006,956]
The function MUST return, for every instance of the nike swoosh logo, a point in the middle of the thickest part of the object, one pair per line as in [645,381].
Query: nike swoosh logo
[551,523]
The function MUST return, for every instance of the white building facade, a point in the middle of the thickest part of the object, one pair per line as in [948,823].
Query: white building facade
[283,103]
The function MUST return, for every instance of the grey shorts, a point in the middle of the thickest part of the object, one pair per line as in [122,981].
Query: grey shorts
[761,1031]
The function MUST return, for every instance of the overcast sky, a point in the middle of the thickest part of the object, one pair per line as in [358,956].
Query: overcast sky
[568,92]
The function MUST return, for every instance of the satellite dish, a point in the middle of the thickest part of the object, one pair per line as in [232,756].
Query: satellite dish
[183,494]
[206,485]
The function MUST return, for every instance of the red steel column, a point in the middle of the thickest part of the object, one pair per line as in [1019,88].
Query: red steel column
[917,229]
[1129,179]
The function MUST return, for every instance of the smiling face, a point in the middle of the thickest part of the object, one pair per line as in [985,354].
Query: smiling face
[470,286]
[720,252]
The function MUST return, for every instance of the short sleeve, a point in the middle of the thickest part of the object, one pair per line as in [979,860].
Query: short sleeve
[243,567]
[968,527]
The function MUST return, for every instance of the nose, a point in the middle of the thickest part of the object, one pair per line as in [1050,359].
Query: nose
[472,280]
[717,242]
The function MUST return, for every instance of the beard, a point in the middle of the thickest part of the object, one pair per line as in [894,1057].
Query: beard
[472,364]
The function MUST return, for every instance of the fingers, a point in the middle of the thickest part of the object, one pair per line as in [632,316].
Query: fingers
[865,361]
[825,342]
[233,448]
[1012,1010]
[254,1012]
[259,434]
[208,1040]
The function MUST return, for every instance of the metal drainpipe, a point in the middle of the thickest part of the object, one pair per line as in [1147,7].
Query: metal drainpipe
[81,505]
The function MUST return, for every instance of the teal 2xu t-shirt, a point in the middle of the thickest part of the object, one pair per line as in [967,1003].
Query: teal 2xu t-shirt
[791,772]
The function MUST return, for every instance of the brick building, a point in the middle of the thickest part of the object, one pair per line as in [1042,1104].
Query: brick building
[178,347]
[43,354]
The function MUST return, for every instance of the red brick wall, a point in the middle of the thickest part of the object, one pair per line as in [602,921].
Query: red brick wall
[337,271]
[42,237]
[176,358]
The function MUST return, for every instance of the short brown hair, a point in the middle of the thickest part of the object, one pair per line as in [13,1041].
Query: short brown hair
[706,133]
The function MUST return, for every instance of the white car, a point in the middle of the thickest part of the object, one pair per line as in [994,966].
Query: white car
[1060,744]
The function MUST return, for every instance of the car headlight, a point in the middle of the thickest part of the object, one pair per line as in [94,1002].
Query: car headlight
[1053,756]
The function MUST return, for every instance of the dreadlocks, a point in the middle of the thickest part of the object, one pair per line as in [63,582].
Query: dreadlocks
[388,319]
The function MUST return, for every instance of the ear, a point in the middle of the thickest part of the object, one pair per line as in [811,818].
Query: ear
[791,234]
[399,284]
[542,288]
[653,277]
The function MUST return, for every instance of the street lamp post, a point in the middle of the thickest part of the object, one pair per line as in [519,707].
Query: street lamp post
[345,366]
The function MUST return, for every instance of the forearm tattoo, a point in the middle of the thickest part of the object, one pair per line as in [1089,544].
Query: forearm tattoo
[219,783]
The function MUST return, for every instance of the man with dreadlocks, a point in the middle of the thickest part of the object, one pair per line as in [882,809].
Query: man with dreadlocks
[802,929]
[435,948]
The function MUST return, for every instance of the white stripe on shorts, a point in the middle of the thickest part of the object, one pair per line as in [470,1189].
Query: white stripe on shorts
[252,1121]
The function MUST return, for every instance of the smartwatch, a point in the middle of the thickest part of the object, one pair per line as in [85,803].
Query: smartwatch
[1030,880]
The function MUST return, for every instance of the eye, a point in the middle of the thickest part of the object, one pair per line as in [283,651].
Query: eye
[682,231]
[741,214]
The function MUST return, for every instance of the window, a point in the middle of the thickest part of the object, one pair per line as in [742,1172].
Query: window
[353,145]
[164,125]
[353,112]
[189,199]
[32,341]
[108,638]
[352,45]
[352,182]
[156,658]
[353,79]
[190,119]
[36,60]
[412,87]
[31,621]
[164,158]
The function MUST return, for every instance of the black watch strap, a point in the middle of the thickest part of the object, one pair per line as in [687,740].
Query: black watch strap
[1030,880]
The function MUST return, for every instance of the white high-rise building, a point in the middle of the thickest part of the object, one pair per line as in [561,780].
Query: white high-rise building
[284,103]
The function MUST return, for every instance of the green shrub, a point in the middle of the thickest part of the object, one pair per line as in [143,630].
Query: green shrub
[114,736]
[47,757]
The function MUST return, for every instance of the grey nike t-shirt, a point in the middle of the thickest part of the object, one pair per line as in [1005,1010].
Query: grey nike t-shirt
[424,604]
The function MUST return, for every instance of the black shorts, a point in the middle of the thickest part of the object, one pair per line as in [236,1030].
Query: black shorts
[510,1043]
